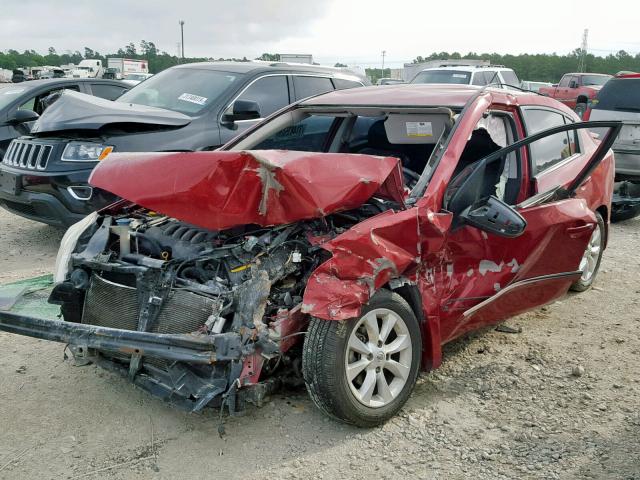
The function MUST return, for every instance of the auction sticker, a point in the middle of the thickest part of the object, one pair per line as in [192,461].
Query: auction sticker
[190,97]
[419,129]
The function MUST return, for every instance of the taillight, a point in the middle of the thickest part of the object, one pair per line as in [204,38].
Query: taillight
[587,114]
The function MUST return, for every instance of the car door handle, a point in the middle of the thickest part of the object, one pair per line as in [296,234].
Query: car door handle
[576,232]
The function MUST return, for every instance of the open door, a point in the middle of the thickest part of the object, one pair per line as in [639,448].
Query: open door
[496,276]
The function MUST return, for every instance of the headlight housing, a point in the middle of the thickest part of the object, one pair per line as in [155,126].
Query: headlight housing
[85,152]
[68,245]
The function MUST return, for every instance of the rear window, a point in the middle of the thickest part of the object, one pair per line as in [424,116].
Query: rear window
[443,76]
[594,79]
[510,78]
[620,94]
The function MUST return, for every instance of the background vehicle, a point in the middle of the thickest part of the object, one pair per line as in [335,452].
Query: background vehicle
[230,267]
[88,69]
[576,90]
[125,66]
[619,99]
[188,107]
[21,104]
[533,86]
[469,75]
[135,78]
[389,81]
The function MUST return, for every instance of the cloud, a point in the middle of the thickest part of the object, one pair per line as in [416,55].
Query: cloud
[212,28]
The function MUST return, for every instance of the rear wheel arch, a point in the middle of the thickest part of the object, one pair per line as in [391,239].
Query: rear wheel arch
[582,99]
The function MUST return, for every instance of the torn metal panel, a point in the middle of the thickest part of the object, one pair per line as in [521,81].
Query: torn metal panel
[368,256]
[219,190]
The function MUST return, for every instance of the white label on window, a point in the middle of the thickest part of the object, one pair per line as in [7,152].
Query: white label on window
[419,129]
[15,91]
[190,97]
[459,75]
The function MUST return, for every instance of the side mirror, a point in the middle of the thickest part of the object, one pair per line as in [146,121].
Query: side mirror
[22,116]
[492,215]
[242,110]
[573,84]
[468,198]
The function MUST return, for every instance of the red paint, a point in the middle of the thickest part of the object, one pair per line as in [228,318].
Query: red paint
[466,279]
[569,95]
[220,190]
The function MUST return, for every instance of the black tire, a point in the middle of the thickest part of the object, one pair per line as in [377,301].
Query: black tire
[625,212]
[581,285]
[323,364]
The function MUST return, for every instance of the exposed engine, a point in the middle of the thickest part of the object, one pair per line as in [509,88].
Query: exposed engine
[137,270]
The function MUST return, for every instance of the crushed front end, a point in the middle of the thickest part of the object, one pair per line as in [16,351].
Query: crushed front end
[194,316]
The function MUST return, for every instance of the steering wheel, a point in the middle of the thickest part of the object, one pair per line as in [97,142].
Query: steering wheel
[410,177]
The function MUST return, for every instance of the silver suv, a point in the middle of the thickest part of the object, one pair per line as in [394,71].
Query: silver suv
[469,75]
[619,99]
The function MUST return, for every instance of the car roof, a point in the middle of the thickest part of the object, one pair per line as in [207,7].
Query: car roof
[29,84]
[469,68]
[586,73]
[426,95]
[259,66]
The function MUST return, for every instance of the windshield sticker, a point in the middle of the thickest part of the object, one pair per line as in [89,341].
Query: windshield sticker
[189,97]
[459,75]
[419,129]
[15,91]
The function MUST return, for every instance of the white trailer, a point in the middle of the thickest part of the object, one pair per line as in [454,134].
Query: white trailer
[125,66]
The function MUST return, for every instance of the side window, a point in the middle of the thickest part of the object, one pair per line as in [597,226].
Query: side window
[37,103]
[110,92]
[342,84]
[550,150]
[574,138]
[308,86]
[479,79]
[308,135]
[271,94]
[564,81]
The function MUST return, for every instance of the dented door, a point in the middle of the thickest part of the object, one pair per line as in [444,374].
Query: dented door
[489,278]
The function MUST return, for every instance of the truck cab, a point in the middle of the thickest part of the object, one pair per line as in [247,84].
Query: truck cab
[576,90]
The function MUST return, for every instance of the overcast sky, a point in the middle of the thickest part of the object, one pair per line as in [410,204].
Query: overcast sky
[349,31]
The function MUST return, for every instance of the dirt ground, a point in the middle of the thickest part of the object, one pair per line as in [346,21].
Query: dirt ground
[559,400]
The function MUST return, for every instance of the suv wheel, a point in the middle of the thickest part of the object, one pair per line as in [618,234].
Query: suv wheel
[362,371]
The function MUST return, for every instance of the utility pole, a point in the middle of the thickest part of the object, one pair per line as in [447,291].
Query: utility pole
[582,64]
[181,22]
[384,52]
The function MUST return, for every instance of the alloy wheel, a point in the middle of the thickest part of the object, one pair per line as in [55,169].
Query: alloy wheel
[589,261]
[378,357]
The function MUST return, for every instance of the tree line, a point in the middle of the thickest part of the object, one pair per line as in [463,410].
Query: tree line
[544,67]
[536,67]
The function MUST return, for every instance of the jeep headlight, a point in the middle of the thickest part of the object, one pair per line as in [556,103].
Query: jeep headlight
[68,245]
[85,152]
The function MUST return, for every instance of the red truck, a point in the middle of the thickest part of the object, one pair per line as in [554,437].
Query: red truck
[576,90]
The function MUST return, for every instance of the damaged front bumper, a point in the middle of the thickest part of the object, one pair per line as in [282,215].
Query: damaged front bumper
[197,368]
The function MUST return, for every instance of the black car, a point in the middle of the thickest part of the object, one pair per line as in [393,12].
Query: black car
[190,107]
[18,102]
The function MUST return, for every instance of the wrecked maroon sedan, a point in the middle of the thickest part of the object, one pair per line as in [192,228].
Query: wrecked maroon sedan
[342,241]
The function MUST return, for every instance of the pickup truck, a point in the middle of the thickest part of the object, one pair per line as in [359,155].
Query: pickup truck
[576,90]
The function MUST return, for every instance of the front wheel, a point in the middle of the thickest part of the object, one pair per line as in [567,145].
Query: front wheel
[362,371]
[590,263]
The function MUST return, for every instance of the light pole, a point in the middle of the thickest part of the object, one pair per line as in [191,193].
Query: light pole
[181,22]
[384,52]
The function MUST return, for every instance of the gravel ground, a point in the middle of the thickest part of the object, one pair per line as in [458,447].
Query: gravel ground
[558,400]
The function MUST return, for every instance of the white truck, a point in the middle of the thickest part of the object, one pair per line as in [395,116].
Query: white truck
[125,66]
[88,68]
